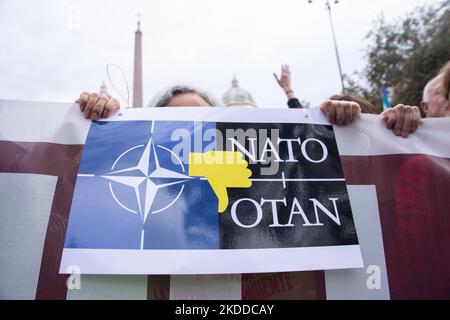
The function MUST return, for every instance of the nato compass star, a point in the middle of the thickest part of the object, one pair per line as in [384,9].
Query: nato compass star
[151,179]
[145,181]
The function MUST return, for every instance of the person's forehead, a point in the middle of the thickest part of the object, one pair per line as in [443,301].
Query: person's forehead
[188,99]
[188,96]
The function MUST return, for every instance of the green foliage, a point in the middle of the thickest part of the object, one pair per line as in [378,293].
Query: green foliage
[404,55]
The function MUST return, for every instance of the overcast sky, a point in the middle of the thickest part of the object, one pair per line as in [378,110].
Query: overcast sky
[51,50]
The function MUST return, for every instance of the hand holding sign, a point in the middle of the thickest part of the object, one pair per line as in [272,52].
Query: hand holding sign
[222,169]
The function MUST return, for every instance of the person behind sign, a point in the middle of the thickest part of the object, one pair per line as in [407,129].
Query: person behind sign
[402,119]
[365,105]
[419,233]
[285,83]
[435,102]
[95,106]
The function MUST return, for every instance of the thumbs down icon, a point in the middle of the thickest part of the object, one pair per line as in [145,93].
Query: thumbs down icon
[222,169]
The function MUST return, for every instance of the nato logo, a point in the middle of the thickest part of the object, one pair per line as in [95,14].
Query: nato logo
[134,192]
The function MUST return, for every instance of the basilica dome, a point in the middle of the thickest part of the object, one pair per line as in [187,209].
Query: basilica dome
[237,97]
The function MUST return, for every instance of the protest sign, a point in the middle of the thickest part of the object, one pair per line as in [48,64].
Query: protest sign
[179,192]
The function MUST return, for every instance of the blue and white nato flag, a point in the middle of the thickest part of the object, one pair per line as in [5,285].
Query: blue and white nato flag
[139,209]
[134,192]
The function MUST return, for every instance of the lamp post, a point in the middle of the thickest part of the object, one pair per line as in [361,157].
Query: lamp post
[328,7]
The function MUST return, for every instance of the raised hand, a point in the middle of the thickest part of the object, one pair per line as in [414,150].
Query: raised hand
[284,81]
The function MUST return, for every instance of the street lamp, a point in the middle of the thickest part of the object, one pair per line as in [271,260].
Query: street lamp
[328,6]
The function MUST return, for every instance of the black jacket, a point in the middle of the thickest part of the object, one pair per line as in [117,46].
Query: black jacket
[294,103]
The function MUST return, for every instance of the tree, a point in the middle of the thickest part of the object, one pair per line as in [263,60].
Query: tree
[404,55]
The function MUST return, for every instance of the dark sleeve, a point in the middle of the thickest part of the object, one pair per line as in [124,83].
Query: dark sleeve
[294,103]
